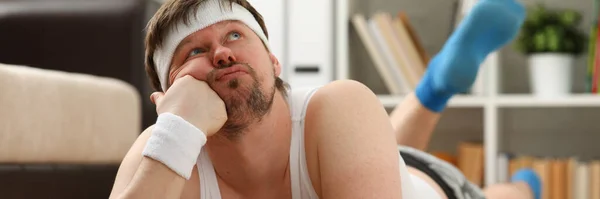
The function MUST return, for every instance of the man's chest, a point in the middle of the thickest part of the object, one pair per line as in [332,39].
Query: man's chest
[283,190]
[193,187]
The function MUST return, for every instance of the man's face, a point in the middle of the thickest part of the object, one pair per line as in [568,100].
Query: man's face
[232,59]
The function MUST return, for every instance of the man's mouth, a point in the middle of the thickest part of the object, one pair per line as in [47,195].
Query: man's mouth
[229,73]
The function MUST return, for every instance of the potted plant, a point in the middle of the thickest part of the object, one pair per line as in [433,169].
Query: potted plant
[551,40]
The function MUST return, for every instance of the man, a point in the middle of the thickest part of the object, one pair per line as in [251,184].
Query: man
[229,128]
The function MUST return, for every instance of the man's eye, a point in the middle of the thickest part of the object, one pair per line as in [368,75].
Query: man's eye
[195,52]
[234,36]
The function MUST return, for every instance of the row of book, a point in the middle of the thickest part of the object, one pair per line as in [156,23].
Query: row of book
[394,48]
[397,52]
[562,178]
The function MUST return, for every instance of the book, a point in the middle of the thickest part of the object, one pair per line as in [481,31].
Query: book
[416,40]
[395,49]
[594,174]
[561,177]
[362,28]
[471,161]
[382,41]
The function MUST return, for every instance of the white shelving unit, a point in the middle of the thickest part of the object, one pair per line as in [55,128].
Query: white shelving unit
[492,102]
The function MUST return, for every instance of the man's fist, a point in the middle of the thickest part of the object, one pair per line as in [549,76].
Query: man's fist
[194,101]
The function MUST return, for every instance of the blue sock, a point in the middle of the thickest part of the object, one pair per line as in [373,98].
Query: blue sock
[490,25]
[531,178]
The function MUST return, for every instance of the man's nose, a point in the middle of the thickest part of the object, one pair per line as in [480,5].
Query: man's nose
[223,56]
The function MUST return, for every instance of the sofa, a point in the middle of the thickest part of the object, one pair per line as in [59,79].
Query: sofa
[63,135]
[74,94]
[97,37]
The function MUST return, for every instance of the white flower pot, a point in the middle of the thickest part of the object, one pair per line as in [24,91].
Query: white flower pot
[550,74]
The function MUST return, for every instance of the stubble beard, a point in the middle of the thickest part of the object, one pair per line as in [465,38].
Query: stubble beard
[245,106]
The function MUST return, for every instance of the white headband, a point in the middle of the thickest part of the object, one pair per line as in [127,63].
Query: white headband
[208,13]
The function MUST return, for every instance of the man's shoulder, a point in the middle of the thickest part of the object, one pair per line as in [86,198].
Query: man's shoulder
[340,102]
[325,109]
[345,84]
[340,93]
[147,131]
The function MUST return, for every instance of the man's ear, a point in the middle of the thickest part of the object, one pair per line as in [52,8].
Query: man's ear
[276,64]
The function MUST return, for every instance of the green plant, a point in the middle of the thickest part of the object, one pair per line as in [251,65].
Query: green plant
[551,31]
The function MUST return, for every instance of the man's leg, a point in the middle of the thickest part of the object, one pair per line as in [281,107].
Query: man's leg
[490,25]
[519,190]
[525,185]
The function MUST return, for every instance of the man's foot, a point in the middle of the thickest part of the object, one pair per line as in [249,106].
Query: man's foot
[531,178]
[490,25]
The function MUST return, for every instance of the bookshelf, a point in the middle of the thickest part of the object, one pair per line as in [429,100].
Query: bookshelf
[390,101]
[501,112]
[523,100]
[508,101]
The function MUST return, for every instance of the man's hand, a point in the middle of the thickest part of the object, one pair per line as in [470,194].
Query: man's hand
[194,101]
[155,171]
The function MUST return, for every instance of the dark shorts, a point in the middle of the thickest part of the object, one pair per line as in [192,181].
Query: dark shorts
[454,184]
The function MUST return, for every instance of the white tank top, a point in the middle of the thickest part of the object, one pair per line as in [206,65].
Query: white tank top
[301,184]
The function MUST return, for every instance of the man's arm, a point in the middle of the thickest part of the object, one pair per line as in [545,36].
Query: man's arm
[142,177]
[163,157]
[413,123]
[356,148]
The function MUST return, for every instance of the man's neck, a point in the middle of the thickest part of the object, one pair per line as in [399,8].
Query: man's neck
[260,158]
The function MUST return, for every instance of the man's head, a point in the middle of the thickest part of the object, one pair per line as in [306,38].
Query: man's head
[222,42]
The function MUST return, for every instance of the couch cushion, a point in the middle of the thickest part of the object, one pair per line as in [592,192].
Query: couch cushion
[50,116]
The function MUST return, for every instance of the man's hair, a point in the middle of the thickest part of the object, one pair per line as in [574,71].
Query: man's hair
[173,12]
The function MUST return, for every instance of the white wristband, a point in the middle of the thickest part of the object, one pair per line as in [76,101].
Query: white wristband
[176,143]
